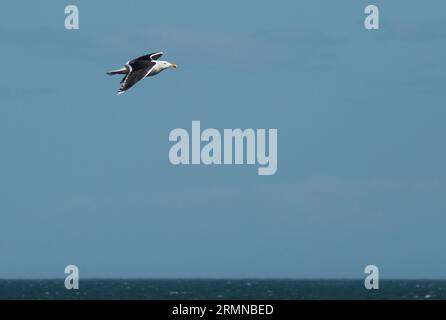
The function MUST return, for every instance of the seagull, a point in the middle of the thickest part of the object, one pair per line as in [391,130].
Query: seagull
[140,68]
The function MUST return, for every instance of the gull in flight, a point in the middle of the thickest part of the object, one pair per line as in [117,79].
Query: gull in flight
[140,68]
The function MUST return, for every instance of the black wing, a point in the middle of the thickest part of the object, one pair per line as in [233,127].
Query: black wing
[133,77]
[149,57]
[136,65]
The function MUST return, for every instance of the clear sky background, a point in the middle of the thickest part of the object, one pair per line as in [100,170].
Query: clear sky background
[85,177]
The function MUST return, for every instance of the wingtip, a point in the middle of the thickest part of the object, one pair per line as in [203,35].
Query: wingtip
[119,93]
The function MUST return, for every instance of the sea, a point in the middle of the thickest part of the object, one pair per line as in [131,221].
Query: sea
[230,289]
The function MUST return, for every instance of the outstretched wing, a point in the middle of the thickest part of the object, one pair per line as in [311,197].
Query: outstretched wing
[149,57]
[135,65]
[133,77]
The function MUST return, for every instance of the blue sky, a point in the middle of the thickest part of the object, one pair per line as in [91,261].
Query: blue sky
[85,176]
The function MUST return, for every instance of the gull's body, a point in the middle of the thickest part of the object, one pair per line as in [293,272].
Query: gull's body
[140,68]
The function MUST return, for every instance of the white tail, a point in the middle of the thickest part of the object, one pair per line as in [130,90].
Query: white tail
[119,71]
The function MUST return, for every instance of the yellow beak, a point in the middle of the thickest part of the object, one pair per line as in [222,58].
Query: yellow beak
[173,65]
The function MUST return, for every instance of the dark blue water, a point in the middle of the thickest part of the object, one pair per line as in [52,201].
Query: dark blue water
[222,289]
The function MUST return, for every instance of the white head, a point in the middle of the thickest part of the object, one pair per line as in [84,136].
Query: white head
[165,65]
